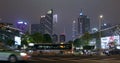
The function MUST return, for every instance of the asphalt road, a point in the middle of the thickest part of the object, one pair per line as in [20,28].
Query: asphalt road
[76,59]
[72,59]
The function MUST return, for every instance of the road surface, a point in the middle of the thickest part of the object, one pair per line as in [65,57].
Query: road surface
[73,59]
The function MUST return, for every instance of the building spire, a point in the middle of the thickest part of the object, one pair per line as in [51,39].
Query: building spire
[81,12]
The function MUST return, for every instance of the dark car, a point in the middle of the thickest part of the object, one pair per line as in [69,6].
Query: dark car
[112,52]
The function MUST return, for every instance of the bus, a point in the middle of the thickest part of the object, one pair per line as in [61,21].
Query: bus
[53,48]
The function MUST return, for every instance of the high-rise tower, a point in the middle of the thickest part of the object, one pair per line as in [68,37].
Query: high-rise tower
[46,23]
[83,24]
[74,31]
[22,25]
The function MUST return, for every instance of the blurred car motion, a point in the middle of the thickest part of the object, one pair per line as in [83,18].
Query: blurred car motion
[7,54]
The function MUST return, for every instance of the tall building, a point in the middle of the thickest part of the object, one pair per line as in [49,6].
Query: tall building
[62,38]
[105,25]
[35,28]
[46,23]
[55,20]
[55,38]
[83,24]
[74,31]
[93,30]
[42,24]
[22,25]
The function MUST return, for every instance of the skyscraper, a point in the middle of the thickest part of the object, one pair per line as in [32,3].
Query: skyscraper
[22,25]
[74,30]
[46,23]
[42,24]
[83,24]
[35,28]
[55,38]
[62,38]
[105,25]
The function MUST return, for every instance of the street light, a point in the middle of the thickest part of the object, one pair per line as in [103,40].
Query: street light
[101,16]
[100,20]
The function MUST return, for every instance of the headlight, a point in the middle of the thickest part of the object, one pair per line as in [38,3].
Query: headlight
[23,54]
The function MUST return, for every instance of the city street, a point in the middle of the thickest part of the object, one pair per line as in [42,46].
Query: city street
[59,31]
[73,59]
[77,59]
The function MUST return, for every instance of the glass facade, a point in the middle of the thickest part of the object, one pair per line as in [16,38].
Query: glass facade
[35,28]
[83,24]
[46,23]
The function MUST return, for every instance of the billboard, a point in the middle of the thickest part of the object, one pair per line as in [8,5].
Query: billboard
[110,41]
[17,40]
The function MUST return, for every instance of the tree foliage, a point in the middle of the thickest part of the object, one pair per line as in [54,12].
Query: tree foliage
[37,37]
[86,38]
[26,38]
[47,38]
[87,47]
[77,42]
[10,42]
[70,42]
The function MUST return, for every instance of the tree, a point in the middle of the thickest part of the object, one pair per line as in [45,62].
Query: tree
[70,42]
[87,47]
[86,38]
[37,37]
[77,42]
[47,38]
[26,38]
[10,42]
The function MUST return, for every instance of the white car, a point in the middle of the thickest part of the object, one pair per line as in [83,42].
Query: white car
[7,54]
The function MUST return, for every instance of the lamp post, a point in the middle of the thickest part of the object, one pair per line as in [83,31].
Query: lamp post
[100,20]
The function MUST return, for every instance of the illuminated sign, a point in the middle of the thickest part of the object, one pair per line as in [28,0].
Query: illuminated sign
[22,22]
[17,40]
[106,42]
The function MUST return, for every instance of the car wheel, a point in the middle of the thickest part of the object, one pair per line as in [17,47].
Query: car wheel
[12,59]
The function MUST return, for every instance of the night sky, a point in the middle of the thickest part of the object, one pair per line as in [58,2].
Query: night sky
[67,11]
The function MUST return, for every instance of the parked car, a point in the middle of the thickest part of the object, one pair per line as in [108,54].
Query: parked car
[7,54]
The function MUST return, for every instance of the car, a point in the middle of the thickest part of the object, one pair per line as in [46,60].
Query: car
[7,54]
[112,52]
